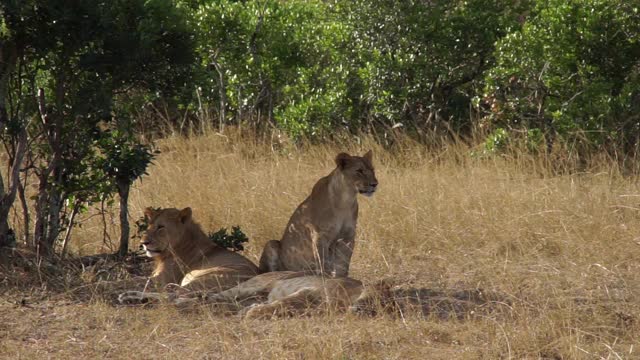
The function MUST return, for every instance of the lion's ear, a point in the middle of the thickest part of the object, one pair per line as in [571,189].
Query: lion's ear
[185,215]
[149,212]
[384,285]
[368,155]
[342,159]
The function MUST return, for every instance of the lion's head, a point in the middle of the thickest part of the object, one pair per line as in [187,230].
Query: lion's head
[358,171]
[375,297]
[166,230]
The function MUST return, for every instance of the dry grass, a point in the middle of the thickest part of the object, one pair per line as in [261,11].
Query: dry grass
[563,249]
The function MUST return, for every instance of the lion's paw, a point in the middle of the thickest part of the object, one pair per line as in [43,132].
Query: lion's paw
[132,298]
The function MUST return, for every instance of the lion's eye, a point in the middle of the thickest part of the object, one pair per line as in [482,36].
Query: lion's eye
[360,171]
[160,227]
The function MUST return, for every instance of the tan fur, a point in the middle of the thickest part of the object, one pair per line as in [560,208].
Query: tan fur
[185,255]
[321,232]
[292,292]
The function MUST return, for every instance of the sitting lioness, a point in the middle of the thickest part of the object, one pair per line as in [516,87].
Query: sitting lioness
[184,254]
[285,292]
[320,234]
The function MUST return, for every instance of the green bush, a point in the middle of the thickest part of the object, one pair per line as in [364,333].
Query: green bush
[572,70]
[311,67]
[421,62]
[272,61]
[233,241]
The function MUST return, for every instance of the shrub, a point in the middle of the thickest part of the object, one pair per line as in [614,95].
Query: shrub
[573,67]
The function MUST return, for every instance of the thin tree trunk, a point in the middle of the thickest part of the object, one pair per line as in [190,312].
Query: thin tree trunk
[123,191]
[4,221]
[49,198]
[55,138]
[41,213]
[106,239]
[53,218]
[222,93]
[67,235]
[25,215]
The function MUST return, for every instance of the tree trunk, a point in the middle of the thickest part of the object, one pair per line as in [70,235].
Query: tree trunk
[49,198]
[222,93]
[8,193]
[5,234]
[67,235]
[53,217]
[4,221]
[41,210]
[123,191]
[8,58]
[5,239]
[25,215]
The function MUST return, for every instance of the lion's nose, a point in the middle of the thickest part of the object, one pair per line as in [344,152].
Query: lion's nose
[144,242]
[374,184]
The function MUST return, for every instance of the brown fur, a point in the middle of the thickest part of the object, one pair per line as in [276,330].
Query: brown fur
[320,235]
[185,255]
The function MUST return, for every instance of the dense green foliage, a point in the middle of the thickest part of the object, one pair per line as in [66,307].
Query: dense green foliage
[65,65]
[573,68]
[567,68]
[559,72]
[313,66]
[273,61]
[421,62]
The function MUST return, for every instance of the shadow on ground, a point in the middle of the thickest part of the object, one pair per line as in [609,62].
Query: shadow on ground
[448,303]
[27,278]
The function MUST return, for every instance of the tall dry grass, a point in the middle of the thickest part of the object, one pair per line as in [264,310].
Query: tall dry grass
[563,247]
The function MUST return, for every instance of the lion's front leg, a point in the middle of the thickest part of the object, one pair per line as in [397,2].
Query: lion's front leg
[172,291]
[342,252]
[270,259]
[298,301]
[140,297]
[321,253]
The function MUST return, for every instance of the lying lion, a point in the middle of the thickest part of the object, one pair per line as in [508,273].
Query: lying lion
[286,292]
[320,235]
[184,254]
